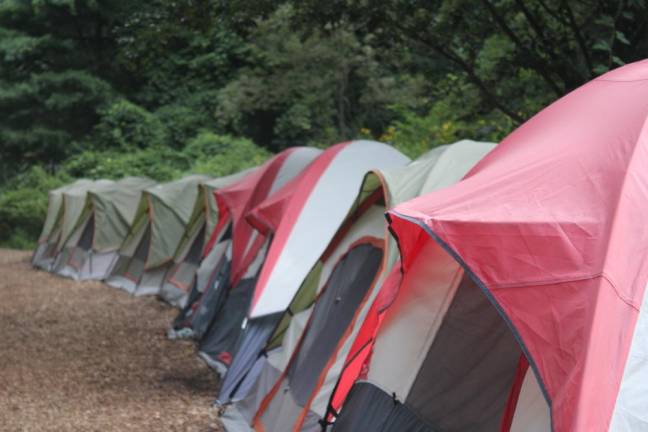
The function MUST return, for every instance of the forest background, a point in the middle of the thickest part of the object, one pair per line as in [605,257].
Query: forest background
[162,88]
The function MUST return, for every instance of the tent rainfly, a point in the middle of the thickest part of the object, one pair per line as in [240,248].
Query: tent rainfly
[159,223]
[186,261]
[305,224]
[104,214]
[522,305]
[308,350]
[234,251]
[45,252]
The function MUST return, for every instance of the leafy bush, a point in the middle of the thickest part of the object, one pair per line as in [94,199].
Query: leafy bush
[182,122]
[23,206]
[455,114]
[126,126]
[157,163]
[219,155]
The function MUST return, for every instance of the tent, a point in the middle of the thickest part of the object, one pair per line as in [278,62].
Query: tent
[522,305]
[305,224]
[45,252]
[233,253]
[103,215]
[73,204]
[307,350]
[189,254]
[159,223]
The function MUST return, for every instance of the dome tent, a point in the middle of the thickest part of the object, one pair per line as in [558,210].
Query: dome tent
[306,219]
[522,299]
[159,223]
[234,250]
[317,206]
[104,214]
[189,254]
[45,251]
[306,352]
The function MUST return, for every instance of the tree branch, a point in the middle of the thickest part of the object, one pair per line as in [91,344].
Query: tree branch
[535,63]
[571,19]
[617,15]
[472,76]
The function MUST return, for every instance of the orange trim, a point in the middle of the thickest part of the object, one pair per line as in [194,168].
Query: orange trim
[171,278]
[71,261]
[270,396]
[334,355]
[131,276]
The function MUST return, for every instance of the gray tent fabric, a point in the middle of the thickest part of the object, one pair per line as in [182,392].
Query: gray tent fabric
[187,261]
[98,218]
[77,214]
[344,291]
[221,339]
[463,383]
[254,338]
[368,408]
[465,379]
[45,253]
[218,345]
[212,300]
[128,270]
[163,211]
[335,308]
[437,168]
[205,294]
[182,275]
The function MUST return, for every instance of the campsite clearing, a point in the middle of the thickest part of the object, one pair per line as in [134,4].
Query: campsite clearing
[81,356]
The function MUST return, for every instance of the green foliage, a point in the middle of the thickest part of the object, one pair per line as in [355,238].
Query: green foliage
[309,86]
[126,126]
[23,205]
[166,87]
[182,121]
[157,163]
[218,155]
[40,118]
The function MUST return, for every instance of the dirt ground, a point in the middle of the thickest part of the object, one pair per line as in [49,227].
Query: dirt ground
[81,356]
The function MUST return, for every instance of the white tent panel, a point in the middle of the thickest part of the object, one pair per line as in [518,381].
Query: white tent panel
[413,320]
[532,412]
[322,214]
[295,163]
[631,409]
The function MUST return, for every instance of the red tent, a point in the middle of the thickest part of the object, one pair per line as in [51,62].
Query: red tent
[550,231]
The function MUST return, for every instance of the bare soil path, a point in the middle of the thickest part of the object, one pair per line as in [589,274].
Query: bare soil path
[81,356]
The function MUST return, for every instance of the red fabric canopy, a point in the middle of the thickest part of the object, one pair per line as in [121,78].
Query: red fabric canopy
[552,226]
[237,200]
[266,216]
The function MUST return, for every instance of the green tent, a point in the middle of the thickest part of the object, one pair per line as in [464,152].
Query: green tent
[162,216]
[45,253]
[190,252]
[100,219]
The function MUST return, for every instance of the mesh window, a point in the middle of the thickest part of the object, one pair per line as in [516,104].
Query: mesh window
[466,377]
[336,307]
